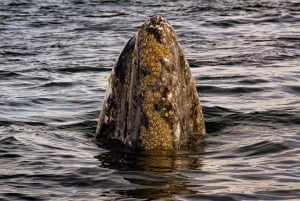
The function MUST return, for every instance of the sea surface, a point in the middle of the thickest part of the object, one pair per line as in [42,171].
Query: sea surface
[55,59]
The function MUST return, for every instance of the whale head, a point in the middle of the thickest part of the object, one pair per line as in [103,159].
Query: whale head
[152,101]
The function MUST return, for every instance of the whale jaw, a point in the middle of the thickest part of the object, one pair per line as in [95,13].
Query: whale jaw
[152,101]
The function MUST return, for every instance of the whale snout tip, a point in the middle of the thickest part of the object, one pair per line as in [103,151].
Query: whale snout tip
[160,28]
[157,19]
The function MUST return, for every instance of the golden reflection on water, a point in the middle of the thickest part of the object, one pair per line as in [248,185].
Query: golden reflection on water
[154,174]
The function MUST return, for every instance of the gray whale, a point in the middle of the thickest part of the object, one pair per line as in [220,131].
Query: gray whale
[151,102]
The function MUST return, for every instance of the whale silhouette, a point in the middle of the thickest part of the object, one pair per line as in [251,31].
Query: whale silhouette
[151,102]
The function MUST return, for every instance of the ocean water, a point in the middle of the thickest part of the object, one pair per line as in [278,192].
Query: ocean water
[56,56]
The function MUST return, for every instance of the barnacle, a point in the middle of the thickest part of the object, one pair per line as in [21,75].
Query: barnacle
[157,135]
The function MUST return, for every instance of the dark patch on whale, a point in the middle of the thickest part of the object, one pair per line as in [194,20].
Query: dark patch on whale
[151,101]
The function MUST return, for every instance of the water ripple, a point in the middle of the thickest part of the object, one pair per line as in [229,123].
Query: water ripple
[55,59]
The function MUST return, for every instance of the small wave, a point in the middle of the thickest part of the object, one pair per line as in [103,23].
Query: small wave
[214,126]
[218,118]
[293,89]
[8,140]
[21,196]
[57,84]
[272,117]
[222,90]
[41,24]
[18,123]
[49,7]
[106,15]
[16,54]
[19,3]
[78,69]
[42,100]
[262,148]
[87,127]
[8,74]
[83,69]
[289,38]
[217,111]
[226,23]
[275,116]
[275,18]
[215,120]
[223,77]
[9,156]
[227,197]
[5,123]
[253,81]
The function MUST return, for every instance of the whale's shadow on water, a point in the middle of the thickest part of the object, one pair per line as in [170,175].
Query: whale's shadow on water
[152,174]
[150,161]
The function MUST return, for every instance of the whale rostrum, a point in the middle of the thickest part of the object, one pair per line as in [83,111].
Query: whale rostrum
[151,102]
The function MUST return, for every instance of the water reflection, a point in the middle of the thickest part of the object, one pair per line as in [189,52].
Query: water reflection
[153,174]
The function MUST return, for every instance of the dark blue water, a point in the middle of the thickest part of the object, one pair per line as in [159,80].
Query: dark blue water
[55,58]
